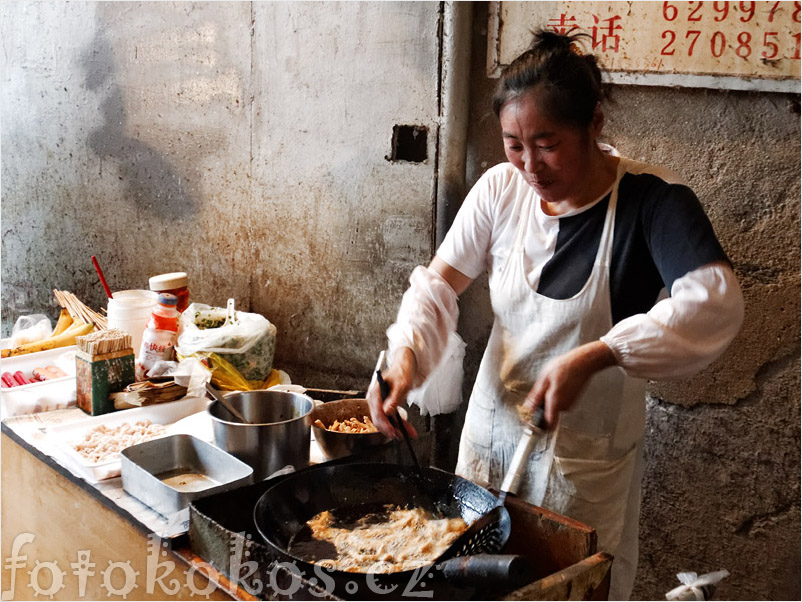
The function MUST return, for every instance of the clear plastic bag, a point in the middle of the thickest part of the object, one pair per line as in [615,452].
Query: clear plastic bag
[192,374]
[441,392]
[245,340]
[29,329]
[696,587]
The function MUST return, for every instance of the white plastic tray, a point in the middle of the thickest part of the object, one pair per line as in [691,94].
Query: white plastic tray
[43,396]
[65,436]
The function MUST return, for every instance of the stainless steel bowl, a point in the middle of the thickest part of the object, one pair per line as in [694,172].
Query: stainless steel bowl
[337,445]
[279,433]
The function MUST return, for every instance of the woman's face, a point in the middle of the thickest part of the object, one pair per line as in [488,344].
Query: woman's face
[554,159]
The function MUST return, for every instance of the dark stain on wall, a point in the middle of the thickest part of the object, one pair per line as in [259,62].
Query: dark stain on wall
[155,185]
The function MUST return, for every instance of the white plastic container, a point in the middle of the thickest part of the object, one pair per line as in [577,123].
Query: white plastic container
[53,394]
[130,311]
[66,436]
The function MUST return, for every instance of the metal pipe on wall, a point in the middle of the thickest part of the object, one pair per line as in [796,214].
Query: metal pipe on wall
[455,67]
[452,144]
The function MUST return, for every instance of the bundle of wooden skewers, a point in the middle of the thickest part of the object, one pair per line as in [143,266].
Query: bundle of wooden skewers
[75,320]
[106,341]
[78,311]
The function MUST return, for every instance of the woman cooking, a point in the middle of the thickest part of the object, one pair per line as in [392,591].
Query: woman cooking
[578,243]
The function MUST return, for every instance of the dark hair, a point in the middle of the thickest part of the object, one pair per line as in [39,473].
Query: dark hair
[571,81]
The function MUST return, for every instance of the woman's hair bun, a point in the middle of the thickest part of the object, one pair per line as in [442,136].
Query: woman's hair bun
[547,41]
[571,80]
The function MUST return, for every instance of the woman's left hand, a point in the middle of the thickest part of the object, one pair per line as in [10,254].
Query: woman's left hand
[562,380]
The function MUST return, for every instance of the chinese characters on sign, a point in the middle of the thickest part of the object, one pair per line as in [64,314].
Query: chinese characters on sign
[604,32]
[739,45]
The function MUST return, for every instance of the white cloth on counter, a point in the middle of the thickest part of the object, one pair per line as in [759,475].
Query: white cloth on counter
[679,335]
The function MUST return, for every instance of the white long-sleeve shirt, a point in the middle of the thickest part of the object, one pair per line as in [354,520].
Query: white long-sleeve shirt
[662,236]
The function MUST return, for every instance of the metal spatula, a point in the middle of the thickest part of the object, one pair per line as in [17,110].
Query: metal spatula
[489,532]
[486,535]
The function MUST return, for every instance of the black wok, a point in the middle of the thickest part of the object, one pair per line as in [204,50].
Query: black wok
[282,511]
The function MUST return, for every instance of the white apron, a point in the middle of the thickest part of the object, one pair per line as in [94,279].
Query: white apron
[589,466]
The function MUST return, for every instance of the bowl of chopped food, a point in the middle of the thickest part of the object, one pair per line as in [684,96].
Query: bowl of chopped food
[342,428]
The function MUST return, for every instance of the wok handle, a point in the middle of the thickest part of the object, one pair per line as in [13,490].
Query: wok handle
[488,569]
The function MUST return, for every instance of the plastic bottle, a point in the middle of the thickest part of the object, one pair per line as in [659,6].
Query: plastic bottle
[159,337]
[175,283]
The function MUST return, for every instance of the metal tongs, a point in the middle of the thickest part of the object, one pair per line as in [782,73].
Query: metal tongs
[532,430]
[398,422]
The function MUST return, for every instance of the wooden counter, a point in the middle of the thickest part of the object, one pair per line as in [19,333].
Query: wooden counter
[52,522]
[58,526]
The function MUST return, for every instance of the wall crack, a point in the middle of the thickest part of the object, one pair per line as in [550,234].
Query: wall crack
[757,524]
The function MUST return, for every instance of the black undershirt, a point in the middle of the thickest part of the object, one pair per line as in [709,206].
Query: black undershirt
[661,233]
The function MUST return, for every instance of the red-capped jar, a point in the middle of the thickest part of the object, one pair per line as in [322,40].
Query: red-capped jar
[174,283]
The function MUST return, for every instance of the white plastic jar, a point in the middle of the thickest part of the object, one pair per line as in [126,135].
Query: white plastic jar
[130,311]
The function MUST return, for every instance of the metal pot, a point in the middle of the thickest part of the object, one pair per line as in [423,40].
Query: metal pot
[278,434]
[337,445]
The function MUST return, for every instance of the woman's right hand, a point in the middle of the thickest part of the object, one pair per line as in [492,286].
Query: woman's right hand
[399,378]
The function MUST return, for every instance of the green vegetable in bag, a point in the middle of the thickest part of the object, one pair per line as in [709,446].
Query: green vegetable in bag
[245,340]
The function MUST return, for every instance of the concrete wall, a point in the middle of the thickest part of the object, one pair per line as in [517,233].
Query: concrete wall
[721,489]
[248,144]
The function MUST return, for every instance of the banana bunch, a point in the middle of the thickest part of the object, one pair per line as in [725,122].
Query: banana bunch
[63,335]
